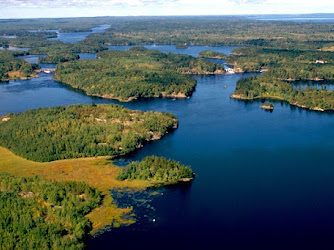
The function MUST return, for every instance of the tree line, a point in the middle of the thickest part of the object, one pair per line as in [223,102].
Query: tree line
[155,169]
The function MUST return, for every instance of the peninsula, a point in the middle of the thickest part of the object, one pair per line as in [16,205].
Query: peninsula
[76,131]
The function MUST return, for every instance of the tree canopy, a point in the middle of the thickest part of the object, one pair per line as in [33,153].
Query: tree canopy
[48,134]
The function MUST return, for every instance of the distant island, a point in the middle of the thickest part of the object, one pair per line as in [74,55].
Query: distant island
[137,73]
[49,134]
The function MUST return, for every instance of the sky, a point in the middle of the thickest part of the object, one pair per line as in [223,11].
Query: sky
[81,8]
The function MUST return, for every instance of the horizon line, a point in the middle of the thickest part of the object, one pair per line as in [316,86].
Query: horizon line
[218,15]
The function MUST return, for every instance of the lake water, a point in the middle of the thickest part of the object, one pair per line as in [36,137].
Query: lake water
[190,50]
[328,85]
[300,18]
[79,36]
[263,180]
[15,48]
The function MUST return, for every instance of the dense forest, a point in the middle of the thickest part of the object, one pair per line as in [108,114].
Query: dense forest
[285,66]
[48,134]
[156,169]
[257,58]
[12,67]
[60,52]
[137,73]
[212,54]
[215,31]
[36,213]
[268,86]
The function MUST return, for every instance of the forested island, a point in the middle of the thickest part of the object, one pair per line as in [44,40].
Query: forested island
[156,169]
[137,73]
[49,134]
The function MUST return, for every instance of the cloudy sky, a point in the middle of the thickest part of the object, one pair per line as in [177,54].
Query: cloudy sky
[74,8]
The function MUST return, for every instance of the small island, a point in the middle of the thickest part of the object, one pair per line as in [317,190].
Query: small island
[134,74]
[156,169]
[267,106]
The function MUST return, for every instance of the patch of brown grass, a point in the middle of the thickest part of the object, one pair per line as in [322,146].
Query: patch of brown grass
[98,172]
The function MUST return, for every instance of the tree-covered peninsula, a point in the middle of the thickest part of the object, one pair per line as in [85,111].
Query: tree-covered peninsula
[137,73]
[271,86]
[12,67]
[283,68]
[212,54]
[49,134]
[157,169]
[37,213]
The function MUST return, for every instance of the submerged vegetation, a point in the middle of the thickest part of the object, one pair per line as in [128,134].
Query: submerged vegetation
[156,169]
[49,134]
[137,73]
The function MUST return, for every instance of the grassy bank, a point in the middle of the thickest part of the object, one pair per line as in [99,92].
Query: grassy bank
[97,172]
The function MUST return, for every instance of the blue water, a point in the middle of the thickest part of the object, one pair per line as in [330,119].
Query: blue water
[301,18]
[313,84]
[89,56]
[32,58]
[15,48]
[9,37]
[79,36]
[263,180]
[190,50]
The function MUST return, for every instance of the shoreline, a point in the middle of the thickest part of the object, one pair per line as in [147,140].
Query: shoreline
[240,97]
[98,172]
[34,75]
[110,97]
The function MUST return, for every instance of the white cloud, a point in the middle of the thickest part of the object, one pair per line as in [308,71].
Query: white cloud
[65,8]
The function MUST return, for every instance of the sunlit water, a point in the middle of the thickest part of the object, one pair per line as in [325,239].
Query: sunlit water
[79,36]
[263,180]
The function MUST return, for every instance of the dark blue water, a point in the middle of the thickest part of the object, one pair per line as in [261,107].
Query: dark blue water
[79,36]
[263,180]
